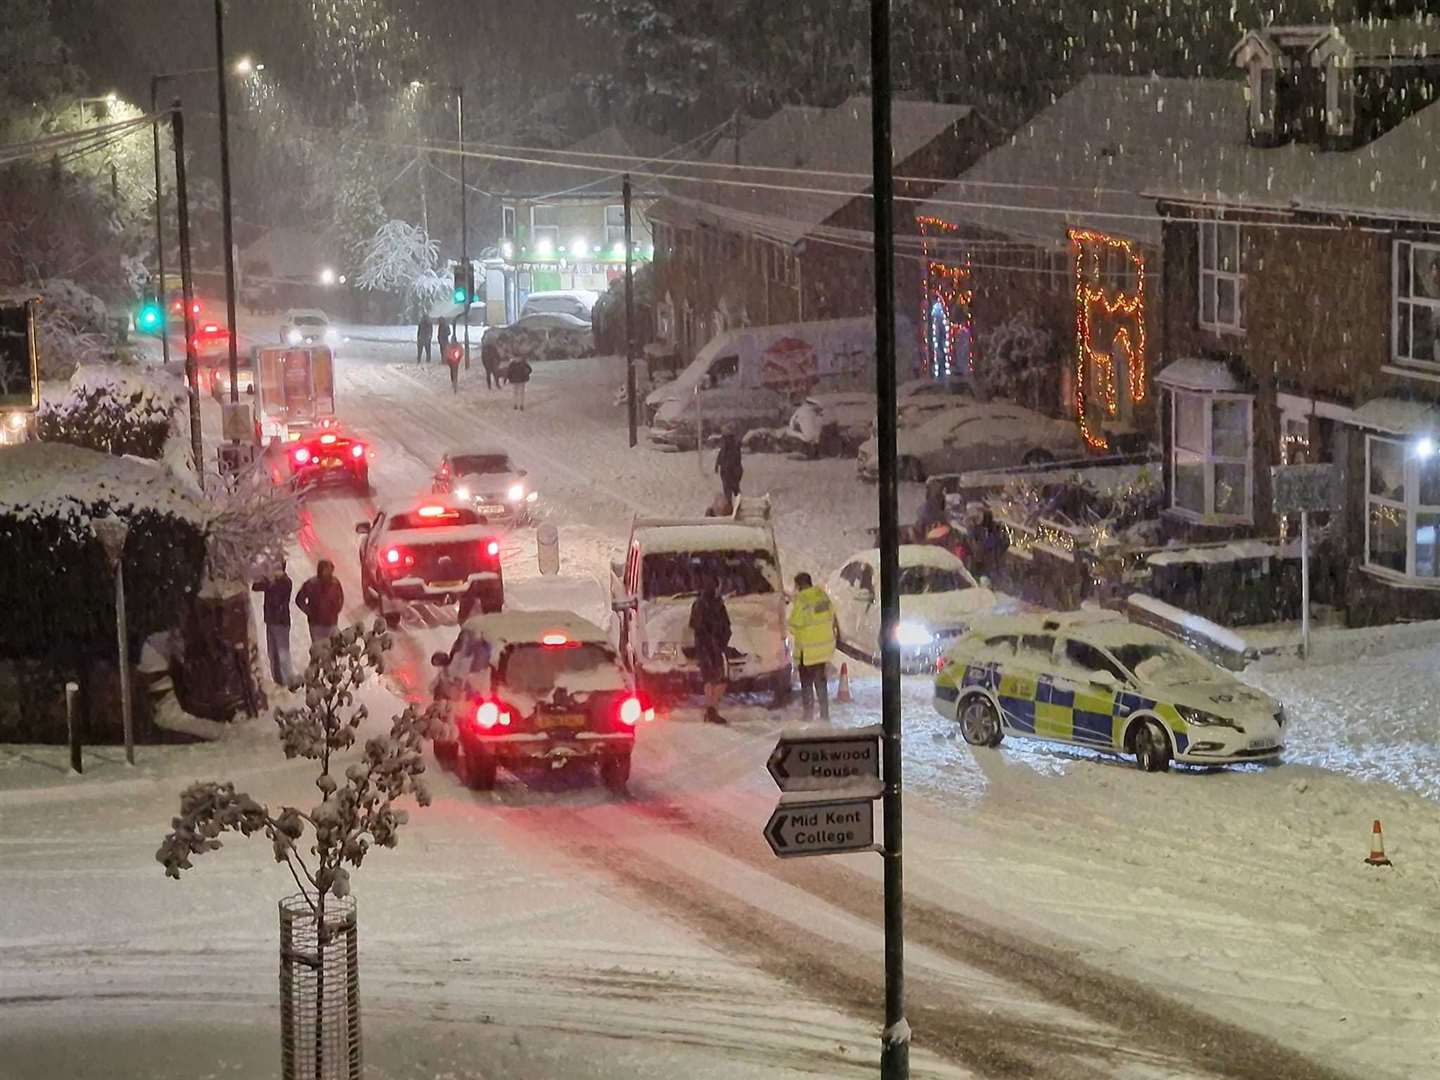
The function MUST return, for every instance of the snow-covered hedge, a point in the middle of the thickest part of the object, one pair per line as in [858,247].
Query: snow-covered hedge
[115,410]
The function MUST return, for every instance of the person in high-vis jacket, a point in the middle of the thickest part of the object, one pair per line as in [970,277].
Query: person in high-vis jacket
[812,628]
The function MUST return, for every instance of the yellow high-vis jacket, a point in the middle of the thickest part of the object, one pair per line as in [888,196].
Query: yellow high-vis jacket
[812,625]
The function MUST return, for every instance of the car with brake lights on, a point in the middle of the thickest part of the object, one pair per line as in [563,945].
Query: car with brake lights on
[536,689]
[327,455]
[437,551]
[494,484]
[1095,679]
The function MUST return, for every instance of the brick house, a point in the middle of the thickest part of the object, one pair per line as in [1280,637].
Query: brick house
[732,254]
[1301,311]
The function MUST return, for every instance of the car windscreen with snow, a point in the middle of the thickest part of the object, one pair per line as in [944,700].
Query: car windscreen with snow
[1163,663]
[310,320]
[924,580]
[671,574]
[537,669]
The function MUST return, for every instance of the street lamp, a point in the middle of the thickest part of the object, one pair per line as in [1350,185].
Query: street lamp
[111,531]
[327,276]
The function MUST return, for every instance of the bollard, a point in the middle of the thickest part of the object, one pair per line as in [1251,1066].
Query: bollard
[72,726]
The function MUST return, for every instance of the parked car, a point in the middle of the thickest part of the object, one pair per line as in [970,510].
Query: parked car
[439,551]
[917,399]
[308,326]
[1095,679]
[939,598]
[979,435]
[832,425]
[540,689]
[495,485]
[577,302]
[546,336]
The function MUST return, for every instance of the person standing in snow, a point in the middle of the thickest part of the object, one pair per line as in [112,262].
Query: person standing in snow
[812,627]
[321,599]
[424,334]
[452,358]
[277,589]
[933,511]
[728,465]
[442,335]
[490,361]
[710,625]
[518,374]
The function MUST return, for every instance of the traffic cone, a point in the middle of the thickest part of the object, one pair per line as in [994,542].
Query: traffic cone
[1377,847]
[842,692]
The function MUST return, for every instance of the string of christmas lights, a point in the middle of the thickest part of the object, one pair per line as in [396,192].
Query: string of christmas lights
[1094,298]
[946,286]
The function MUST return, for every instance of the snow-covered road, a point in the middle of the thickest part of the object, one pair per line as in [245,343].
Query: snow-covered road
[1068,916]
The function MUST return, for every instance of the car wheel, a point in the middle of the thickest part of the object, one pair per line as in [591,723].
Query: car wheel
[491,601]
[392,619]
[1037,457]
[1151,746]
[909,468]
[979,722]
[615,773]
[445,753]
[476,770]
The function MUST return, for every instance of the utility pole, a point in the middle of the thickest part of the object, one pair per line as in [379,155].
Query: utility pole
[629,316]
[227,213]
[464,220]
[159,226]
[895,1039]
[187,290]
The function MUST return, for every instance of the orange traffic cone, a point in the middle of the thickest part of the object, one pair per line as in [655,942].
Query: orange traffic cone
[1377,847]
[842,692]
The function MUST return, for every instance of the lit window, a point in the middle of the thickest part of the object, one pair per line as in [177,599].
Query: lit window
[1417,304]
[1402,516]
[1221,282]
[1211,455]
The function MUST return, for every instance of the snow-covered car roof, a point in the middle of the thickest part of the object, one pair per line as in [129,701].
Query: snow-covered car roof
[510,627]
[307,312]
[553,319]
[913,555]
[839,397]
[588,296]
[483,450]
[1085,623]
[722,536]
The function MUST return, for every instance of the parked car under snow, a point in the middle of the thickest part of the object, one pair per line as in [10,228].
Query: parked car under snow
[988,435]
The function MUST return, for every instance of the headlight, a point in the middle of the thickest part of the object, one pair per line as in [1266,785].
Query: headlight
[462,493]
[912,635]
[294,337]
[1201,718]
[517,492]
[532,496]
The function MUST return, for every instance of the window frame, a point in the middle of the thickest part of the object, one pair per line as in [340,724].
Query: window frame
[1210,277]
[1409,505]
[1209,459]
[507,222]
[1403,298]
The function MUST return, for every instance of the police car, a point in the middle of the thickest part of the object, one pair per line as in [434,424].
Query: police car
[1095,679]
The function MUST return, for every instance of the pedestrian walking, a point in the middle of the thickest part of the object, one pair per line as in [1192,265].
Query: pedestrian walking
[276,589]
[728,465]
[424,335]
[517,375]
[452,359]
[490,361]
[710,625]
[321,599]
[812,628]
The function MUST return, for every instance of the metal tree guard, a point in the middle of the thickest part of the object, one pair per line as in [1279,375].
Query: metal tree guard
[319,991]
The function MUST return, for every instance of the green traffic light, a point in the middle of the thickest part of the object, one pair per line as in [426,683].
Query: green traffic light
[149,317]
[459,296]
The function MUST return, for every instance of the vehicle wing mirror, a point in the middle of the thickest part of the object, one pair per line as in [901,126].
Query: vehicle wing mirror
[362,527]
[1104,678]
[439,659]
[866,595]
[985,581]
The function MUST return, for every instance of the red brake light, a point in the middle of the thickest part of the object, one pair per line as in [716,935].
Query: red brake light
[211,328]
[630,711]
[554,639]
[302,455]
[392,556]
[492,548]
[327,439]
[431,511]
[490,713]
[195,309]
[358,450]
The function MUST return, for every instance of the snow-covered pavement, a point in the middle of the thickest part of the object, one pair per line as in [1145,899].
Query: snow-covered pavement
[1067,915]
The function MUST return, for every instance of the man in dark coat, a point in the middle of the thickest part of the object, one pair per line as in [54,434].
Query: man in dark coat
[517,375]
[424,335]
[322,598]
[710,625]
[727,464]
[490,361]
[442,334]
[277,622]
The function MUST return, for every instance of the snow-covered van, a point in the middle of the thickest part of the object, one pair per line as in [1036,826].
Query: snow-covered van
[652,591]
[755,376]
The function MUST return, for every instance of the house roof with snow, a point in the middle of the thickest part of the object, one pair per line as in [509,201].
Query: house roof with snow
[825,150]
[47,478]
[572,174]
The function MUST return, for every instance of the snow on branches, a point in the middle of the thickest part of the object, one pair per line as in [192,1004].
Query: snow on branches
[401,258]
[356,810]
[250,518]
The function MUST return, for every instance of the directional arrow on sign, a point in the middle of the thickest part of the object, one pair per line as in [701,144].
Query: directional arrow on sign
[825,827]
[825,761]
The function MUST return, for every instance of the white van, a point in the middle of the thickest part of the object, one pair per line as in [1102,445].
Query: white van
[577,302]
[755,376]
[653,589]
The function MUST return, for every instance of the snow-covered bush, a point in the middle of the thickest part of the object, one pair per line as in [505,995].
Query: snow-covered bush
[251,519]
[1015,360]
[355,810]
[114,410]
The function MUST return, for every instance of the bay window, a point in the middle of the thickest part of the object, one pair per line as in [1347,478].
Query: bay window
[1211,457]
[1417,304]
[1221,280]
[1402,512]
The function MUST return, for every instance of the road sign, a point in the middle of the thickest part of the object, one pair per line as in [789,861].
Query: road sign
[235,421]
[825,761]
[1300,488]
[824,827]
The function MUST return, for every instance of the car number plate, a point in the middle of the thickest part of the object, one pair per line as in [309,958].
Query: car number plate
[490,508]
[545,721]
[330,463]
[448,586]
[1262,744]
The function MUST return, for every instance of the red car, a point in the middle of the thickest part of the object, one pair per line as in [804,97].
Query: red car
[329,456]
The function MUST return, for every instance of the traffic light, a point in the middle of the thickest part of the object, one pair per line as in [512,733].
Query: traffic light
[461,292]
[151,314]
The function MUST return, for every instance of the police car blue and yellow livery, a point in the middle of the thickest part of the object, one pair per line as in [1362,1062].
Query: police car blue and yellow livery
[1094,679]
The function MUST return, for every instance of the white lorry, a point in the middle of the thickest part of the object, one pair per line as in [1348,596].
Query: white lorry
[755,376]
[653,589]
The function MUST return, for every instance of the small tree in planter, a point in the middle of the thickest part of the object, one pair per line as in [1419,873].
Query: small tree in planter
[356,811]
